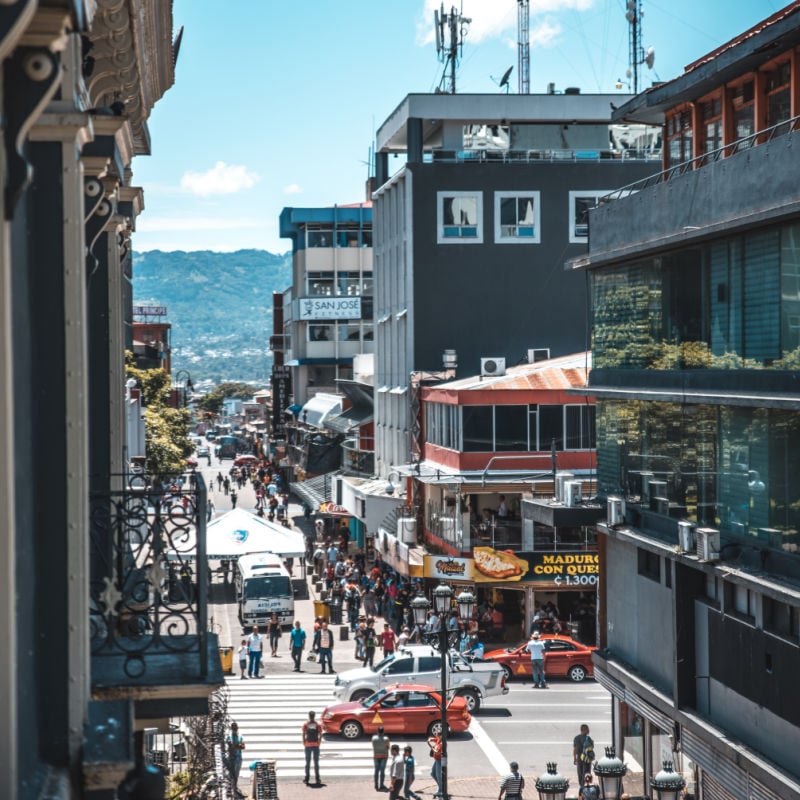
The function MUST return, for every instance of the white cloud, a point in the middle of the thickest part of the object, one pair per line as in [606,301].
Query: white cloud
[152,224]
[492,19]
[222,178]
[293,188]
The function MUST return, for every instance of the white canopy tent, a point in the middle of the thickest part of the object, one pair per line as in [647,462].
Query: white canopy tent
[239,532]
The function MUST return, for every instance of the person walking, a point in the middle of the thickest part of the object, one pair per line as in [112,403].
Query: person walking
[535,647]
[323,644]
[409,766]
[435,744]
[513,784]
[583,753]
[396,773]
[388,640]
[255,648]
[589,790]
[274,631]
[234,745]
[297,642]
[243,658]
[380,753]
[370,639]
[234,496]
[312,733]
[226,485]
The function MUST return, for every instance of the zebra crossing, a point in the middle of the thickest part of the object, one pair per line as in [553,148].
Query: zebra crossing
[270,714]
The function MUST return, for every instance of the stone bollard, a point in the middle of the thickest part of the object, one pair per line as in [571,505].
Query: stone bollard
[344,633]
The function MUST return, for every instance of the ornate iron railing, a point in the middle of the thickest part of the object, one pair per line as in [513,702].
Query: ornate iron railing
[149,585]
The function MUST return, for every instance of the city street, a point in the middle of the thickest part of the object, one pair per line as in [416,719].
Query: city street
[531,726]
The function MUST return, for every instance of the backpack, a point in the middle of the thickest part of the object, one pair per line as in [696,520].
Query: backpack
[312,732]
[587,754]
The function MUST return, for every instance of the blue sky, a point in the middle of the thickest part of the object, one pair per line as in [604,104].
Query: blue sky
[275,103]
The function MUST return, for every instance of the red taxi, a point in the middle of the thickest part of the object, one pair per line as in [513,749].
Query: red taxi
[406,708]
[245,461]
[563,658]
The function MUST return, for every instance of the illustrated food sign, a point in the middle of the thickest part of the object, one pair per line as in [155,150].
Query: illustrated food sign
[560,569]
[444,568]
[312,308]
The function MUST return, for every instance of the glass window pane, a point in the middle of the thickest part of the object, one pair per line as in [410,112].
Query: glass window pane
[551,426]
[508,211]
[511,427]
[477,425]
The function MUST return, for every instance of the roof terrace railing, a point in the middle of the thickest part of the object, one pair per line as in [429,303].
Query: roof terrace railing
[541,155]
[757,138]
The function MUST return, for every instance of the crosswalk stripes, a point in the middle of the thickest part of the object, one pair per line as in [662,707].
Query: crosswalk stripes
[270,714]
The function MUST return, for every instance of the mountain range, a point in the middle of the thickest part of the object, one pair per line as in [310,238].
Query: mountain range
[219,306]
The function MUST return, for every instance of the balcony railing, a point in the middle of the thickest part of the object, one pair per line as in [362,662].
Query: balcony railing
[356,461]
[149,587]
[760,137]
[542,155]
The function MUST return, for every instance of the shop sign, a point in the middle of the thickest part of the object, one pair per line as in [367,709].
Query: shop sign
[312,308]
[559,569]
[445,568]
[333,510]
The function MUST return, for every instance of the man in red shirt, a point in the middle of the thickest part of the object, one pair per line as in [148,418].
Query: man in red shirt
[388,640]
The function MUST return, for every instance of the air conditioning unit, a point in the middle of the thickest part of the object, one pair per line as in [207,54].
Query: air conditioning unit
[615,511]
[573,493]
[407,530]
[561,483]
[493,367]
[538,354]
[686,536]
[707,544]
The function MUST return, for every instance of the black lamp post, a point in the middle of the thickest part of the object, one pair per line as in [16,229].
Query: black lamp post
[442,597]
[610,770]
[667,784]
[552,785]
[183,381]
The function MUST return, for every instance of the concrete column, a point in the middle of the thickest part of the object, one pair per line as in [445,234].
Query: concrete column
[414,140]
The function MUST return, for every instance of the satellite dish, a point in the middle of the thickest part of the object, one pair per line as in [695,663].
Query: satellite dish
[650,57]
[506,76]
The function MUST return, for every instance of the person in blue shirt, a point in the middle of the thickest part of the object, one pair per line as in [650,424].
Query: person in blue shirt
[408,760]
[297,642]
[476,649]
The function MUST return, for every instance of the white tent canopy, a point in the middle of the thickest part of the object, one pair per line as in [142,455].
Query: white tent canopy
[239,532]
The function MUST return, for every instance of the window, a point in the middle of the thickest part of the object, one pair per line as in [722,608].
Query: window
[401,666]
[478,432]
[319,238]
[711,112]
[320,284]
[511,428]
[679,137]
[579,204]
[429,664]
[743,104]
[459,217]
[551,427]
[319,333]
[516,217]
[781,618]
[649,565]
[580,427]
[778,95]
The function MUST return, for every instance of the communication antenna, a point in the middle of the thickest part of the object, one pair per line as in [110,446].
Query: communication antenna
[451,28]
[636,53]
[524,46]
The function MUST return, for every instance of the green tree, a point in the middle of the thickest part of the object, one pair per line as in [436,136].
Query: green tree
[214,399]
[166,429]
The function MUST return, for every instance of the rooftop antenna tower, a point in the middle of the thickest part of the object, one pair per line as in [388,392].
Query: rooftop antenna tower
[524,46]
[451,28]
[636,53]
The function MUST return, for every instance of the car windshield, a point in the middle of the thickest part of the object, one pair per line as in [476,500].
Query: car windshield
[381,664]
[374,698]
[267,586]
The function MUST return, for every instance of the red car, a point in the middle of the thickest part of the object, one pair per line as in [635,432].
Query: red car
[241,461]
[402,709]
[563,658]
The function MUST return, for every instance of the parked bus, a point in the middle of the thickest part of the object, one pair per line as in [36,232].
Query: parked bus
[263,587]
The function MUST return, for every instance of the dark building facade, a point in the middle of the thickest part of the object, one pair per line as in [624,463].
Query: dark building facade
[694,298]
[90,658]
[471,233]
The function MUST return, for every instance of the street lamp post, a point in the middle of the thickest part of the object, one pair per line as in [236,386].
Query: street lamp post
[442,597]
[667,784]
[610,770]
[552,785]
[183,381]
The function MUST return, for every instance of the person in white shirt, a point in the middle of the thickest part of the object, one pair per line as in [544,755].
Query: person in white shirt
[255,647]
[536,648]
[502,509]
[402,639]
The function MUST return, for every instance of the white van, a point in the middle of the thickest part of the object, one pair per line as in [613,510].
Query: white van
[263,587]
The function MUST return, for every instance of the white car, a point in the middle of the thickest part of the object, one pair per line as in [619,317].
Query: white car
[421,663]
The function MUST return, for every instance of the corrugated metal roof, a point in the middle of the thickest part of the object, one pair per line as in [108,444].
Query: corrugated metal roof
[565,372]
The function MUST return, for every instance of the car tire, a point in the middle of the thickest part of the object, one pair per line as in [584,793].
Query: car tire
[360,694]
[351,730]
[577,673]
[508,672]
[473,700]
[435,728]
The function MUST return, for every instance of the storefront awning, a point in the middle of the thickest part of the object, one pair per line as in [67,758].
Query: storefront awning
[315,491]
[319,408]
[350,420]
